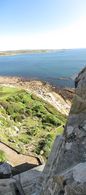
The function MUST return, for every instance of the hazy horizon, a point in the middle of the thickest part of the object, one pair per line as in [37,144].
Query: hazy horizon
[41,49]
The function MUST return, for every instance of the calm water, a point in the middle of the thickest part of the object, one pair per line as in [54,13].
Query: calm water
[50,67]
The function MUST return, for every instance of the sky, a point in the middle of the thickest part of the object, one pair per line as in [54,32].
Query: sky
[42,24]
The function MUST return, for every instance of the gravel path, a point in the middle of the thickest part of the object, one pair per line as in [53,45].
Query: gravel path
[17,159]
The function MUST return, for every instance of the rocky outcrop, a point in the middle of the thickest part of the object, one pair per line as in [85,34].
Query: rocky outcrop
[65,171]
[21,184]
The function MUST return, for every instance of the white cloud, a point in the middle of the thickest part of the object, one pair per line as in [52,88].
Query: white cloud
[73,36]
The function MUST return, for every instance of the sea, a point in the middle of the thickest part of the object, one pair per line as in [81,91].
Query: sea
[58,68]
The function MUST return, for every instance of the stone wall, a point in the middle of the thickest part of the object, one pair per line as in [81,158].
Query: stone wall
[65,171]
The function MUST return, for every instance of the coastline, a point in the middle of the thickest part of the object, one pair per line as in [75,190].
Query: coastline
[29,51]
[20,52]
[59,97]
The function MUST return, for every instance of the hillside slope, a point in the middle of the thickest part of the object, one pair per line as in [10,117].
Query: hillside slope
[28,123]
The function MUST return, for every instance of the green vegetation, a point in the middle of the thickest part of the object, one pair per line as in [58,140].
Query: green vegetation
[27,123]
[2,156]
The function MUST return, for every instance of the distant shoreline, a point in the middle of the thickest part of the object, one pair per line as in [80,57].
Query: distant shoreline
[34,51]
[17,52]
[38,51]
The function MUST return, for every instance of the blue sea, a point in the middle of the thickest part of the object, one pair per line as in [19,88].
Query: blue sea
[58,68]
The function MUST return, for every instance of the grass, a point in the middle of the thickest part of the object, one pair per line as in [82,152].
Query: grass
[3,157]
[28,123]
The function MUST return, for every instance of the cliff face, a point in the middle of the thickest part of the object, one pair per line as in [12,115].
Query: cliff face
[65,171]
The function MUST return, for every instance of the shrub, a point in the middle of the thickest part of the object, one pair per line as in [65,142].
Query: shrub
[4,104]
[40,146]
[45,145]
[49,118]
[24,138]
[10,109]
[31,131]
[16,117]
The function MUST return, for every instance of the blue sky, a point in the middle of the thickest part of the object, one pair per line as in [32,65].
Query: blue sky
[42,24]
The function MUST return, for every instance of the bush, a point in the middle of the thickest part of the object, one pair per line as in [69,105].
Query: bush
[4,104]
[49,118]
[17,117]
[40,146]
[11,99]
[45,145]
[24,138]
[10,109]
[31,131]
[48,144]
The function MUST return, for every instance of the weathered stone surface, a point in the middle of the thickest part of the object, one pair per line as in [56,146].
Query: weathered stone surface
[7,187]
[29,179]
[79,172]
[5,168]
[67,175]
[23,183]
[55,156]
[70,182]
[70,130]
